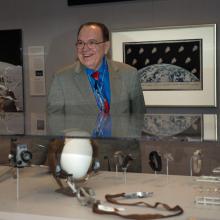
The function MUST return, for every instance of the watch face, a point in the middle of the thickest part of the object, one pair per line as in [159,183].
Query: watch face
[127,161]
[155,161]
[26,156]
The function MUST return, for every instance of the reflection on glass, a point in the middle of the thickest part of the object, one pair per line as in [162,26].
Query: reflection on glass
[98,126]
[173,126]
[150,126]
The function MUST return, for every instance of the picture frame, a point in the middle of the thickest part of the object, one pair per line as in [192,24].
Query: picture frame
[11,83]
[205,95]
[166,64]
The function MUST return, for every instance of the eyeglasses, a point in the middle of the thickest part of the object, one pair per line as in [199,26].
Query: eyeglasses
[91,44]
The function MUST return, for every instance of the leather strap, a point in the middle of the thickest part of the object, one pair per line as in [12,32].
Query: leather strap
[111,198]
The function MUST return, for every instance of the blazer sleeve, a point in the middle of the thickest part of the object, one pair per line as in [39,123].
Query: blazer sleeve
[55,101]
[137,103]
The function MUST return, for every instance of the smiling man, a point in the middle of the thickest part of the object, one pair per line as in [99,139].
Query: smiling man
[94,83]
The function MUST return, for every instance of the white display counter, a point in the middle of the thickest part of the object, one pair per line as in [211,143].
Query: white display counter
[38,199]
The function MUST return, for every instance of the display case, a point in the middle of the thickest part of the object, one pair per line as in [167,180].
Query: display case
[167,159]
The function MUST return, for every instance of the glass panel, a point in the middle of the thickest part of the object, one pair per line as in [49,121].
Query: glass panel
[190,127]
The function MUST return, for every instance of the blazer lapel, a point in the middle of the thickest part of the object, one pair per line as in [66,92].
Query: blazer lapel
[85,90]
[115,82]
[83,85]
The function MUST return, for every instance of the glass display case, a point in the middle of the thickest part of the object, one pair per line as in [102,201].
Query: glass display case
[163,164]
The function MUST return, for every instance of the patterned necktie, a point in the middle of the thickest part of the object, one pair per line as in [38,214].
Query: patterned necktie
[106,106]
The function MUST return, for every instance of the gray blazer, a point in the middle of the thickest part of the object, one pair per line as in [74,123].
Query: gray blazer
[71,93]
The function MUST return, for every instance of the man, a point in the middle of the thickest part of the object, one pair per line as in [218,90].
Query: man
[86,95]
[94,83]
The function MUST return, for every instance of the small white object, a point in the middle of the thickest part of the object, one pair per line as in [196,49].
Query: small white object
[76,157]
[109,208]
[207,200]
[216,170]
[209,179]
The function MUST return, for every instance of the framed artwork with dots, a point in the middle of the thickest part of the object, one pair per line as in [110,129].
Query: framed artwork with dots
[176,65]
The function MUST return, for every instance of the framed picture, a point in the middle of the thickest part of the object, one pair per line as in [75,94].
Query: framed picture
[11,82]
[177,65]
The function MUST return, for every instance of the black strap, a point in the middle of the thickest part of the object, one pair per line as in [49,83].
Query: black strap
[155,161]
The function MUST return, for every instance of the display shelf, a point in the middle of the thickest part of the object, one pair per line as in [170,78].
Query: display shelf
[38,199]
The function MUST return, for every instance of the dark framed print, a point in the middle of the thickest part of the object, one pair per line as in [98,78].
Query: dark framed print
[177,65]
[167,65]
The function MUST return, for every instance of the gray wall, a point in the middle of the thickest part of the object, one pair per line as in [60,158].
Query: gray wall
[52,24]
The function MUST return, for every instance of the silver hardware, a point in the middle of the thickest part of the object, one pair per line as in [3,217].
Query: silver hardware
[86,196]
[216,170]
[137,195]
[214,179]
[207,200]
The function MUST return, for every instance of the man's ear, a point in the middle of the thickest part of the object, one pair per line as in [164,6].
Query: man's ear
[107,46]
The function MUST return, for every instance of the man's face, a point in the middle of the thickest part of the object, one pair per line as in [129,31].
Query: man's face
[89,53]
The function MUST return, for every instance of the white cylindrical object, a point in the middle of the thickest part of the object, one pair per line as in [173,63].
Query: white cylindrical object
[76,157]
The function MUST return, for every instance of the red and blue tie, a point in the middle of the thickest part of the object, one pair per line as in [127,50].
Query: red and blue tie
[95,76]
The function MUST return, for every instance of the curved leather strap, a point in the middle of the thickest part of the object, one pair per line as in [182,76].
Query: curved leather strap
[110,198]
